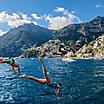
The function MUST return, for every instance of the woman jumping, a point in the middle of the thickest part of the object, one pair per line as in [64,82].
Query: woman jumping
[11,62]
[47,80]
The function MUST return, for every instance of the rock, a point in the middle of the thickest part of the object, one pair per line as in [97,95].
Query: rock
[94,49]
[69,54]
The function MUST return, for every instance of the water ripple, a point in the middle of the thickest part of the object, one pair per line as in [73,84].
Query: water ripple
[80,82]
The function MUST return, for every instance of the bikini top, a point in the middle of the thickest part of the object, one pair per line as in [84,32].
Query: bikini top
[11,61]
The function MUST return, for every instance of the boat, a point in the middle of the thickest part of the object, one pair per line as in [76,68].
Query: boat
[68,59]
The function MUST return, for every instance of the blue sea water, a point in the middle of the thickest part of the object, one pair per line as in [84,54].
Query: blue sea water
[80,85]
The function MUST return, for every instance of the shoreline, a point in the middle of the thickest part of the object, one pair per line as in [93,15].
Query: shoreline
[95,58]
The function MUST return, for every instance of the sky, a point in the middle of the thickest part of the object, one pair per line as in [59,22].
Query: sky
[52,14]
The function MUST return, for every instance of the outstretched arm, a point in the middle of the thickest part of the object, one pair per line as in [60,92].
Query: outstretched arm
[45,71]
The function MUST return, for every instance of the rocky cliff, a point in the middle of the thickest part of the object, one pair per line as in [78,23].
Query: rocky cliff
[94,49]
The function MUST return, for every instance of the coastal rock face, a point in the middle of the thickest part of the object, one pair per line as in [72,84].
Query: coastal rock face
[95,49]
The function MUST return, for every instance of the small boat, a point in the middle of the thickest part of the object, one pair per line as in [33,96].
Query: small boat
[68,59]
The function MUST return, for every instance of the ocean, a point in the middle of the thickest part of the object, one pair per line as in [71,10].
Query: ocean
[80,83]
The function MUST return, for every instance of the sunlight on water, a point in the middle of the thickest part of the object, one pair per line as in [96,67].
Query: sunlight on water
[80,85]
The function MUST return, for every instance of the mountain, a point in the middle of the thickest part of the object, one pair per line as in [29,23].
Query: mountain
[76,35]
[70,38]
[23,37]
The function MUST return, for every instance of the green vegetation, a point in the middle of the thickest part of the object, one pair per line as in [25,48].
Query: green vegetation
[29,53]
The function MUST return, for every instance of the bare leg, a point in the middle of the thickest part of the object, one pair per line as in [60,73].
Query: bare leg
[45,72]
[41,81]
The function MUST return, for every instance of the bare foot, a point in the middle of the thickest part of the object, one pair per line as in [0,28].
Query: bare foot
[23,76]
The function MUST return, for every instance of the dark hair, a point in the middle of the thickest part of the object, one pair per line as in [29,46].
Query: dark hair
[60,84]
